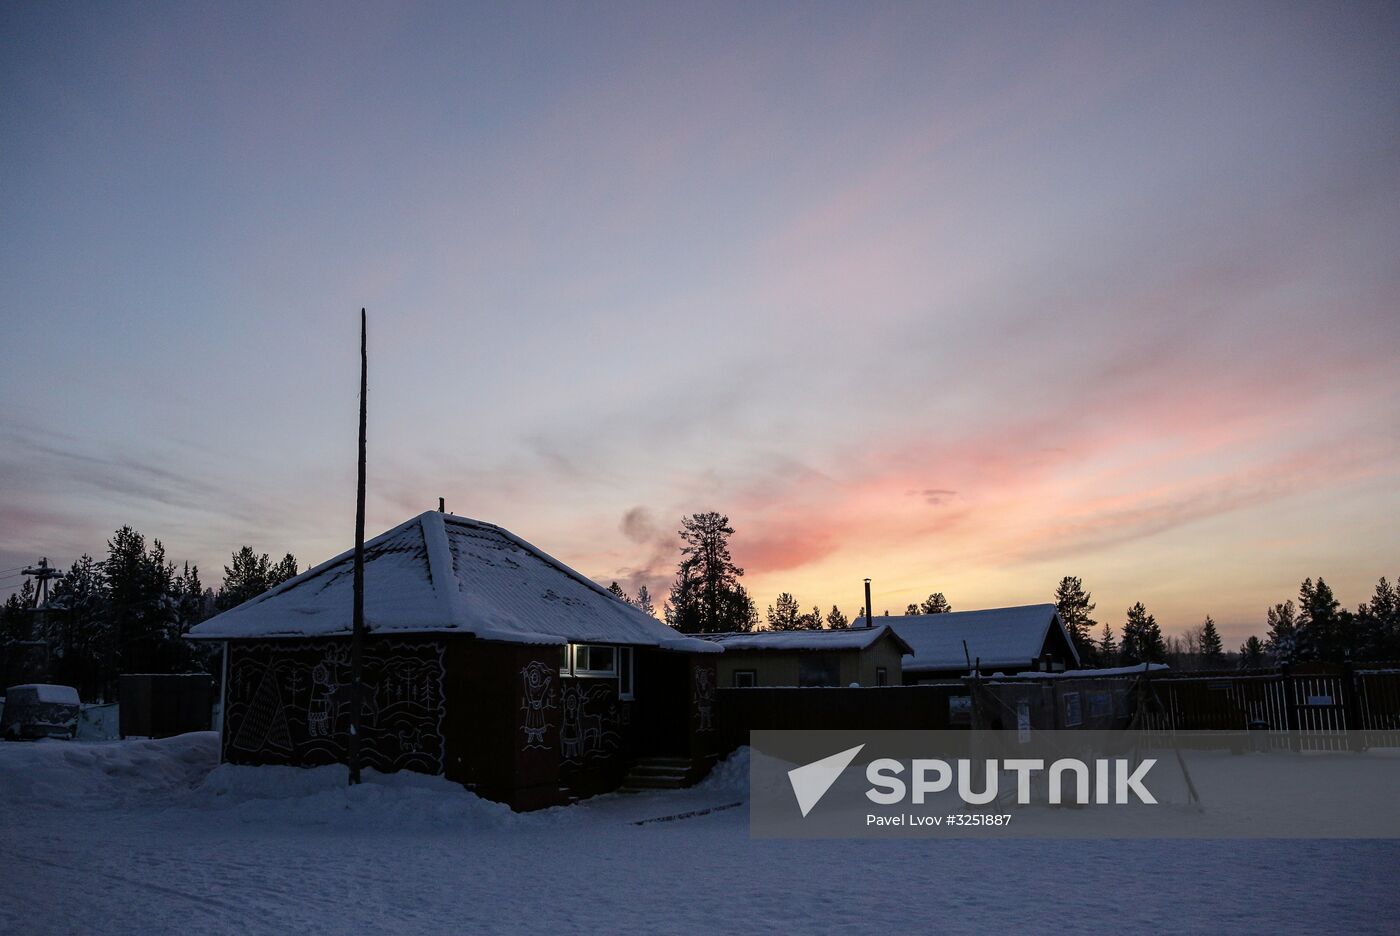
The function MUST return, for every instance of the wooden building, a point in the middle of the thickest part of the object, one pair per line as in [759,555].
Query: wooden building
[487,661]
[869,656]
[999,640]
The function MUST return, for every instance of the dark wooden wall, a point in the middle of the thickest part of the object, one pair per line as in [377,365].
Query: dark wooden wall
[163,705]
[496,717]
[740,711]
[287,702]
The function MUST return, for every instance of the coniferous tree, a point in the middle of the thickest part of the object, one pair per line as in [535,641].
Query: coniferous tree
[935,604]
[644,601]
[812,620]
[284,569]
[739,610]
[246,576]
[785,615]
[1107,648]
[618,593]
[836,620]
[1253,654]
[79,628]
[1212,652]
[912,609]
[139,585]
[707,596]
[1142,638]
[1378,624]
[249,574]
[1324,629]
[17,620]
[1281,641]
[1076,611]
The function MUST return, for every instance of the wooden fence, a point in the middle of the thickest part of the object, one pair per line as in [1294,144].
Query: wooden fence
[929,708]
[1318,707]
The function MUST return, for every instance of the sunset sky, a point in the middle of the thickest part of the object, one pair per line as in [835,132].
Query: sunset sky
[962,298]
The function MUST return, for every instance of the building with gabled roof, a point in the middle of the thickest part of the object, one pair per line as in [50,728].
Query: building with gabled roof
[865,656]
[487,660]
[1004,640]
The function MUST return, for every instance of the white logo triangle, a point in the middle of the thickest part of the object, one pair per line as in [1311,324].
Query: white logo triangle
[811,781]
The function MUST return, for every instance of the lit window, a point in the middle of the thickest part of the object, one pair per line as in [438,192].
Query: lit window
[594,660]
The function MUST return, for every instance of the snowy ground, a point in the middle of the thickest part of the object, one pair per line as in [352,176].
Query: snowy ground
[150,837]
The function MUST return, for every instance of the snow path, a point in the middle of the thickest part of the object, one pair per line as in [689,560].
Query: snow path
[137,838]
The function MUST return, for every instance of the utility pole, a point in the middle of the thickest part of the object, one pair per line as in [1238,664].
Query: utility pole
[41,573]
[357,633]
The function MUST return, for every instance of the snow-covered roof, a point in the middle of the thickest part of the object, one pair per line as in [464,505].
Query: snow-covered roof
[1135,670]
[999,637]
[440,573]
[845,639]
[50,694]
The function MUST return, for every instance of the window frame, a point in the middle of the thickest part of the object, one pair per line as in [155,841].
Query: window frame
[626,675]
[572,667]
[882,676]
[1074,707]
[752,674]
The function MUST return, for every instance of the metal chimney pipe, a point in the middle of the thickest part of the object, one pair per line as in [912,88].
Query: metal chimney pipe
[868,612]
[442,505]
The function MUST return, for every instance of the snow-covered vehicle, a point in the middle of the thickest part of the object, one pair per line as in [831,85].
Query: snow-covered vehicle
[40,711]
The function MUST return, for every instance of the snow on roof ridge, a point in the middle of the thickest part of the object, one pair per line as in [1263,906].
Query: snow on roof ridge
[440,566]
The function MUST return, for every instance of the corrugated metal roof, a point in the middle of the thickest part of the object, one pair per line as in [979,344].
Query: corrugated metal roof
[999,637]
[856,638]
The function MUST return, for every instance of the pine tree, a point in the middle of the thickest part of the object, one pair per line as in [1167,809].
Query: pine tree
[1252,654]
[935,604]
[1281,641]
[785,615]
[1378,624]
[836,620]
[1076,610]
[618,593]
[1212,652]
[1324,629]
[644,601]
[1107,649]
[812,620]
[17,617]
[247,576]
[912,609]
[1142,638]
[286,568]
[707,596]
[140,586]
[79,628]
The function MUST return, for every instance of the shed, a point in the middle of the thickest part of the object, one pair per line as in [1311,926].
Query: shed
[1004,640]
[867,656]
[486,660]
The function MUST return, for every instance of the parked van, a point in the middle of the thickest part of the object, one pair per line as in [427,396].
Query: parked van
[40,711]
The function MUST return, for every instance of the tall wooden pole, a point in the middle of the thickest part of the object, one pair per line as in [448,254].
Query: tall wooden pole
[357,633]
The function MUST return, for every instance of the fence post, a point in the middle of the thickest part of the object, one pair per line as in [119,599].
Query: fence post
[1351,708]
[1290,707]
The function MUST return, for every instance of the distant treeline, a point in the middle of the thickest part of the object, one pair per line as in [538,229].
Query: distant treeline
[708,597]
[128,612]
